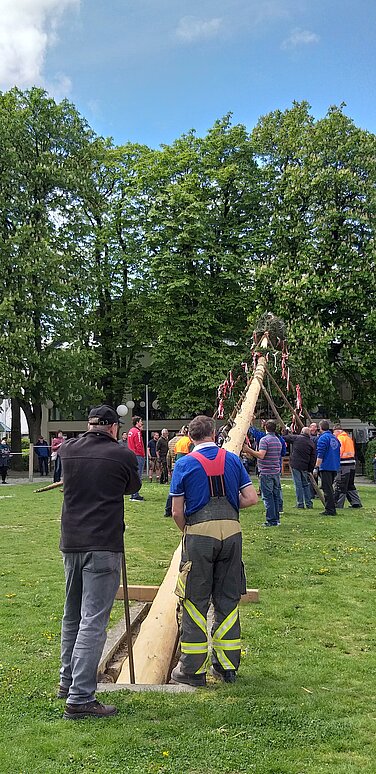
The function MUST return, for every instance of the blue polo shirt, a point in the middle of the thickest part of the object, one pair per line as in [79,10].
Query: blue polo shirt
[190,481]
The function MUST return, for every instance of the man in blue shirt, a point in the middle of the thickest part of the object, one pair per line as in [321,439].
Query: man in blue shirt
[328,461]
[208,487]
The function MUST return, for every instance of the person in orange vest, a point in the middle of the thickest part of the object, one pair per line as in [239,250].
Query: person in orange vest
[344,484]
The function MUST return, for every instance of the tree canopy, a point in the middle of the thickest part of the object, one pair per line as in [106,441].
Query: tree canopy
[108,251]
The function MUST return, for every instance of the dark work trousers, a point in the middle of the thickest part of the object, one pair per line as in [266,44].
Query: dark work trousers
[57,469]
[43,465]
[164,472]
[4,472]
[344,487]
[211,570]
[327,478]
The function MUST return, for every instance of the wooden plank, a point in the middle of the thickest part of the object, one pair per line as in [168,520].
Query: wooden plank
[156,643]
[138,593]
[117,634]
[251,595]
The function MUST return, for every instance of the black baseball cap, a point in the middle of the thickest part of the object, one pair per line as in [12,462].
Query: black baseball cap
[103,415]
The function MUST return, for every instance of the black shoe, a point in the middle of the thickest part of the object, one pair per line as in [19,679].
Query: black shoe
[226,675]
[138,499]
[271,524]
[62,692]
[326,513]
[179,677]
[169,515]
[92,709]
[356,506]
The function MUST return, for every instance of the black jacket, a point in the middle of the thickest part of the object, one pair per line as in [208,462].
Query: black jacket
[97,473]
[302,451]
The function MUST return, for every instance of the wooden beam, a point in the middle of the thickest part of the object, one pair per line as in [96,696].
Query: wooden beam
[156,643]
[138,593]
[235,439]
[251,595]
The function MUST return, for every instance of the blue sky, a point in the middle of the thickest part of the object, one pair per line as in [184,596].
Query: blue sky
[149,70]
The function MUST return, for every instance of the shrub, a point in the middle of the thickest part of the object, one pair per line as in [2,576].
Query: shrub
[370,453]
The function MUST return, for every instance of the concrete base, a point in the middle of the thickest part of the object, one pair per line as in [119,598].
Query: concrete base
[112,687]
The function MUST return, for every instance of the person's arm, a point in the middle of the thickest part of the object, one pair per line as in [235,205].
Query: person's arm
[248,496]
[259,454]
[178,512]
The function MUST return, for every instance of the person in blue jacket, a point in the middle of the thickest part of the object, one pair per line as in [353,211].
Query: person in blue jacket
[328,462]
[42,450]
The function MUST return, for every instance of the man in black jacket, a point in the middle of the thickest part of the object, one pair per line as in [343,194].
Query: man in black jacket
[97,474]
[302,462]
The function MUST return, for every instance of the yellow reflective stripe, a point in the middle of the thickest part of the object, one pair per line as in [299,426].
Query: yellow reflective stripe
[204,667]
[195,615]
[223,660]
[194,647]
[227,644]
[180,584]
[226,624]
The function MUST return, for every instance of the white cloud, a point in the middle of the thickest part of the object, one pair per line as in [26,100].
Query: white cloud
[191,28]
[27,29]
[300,38]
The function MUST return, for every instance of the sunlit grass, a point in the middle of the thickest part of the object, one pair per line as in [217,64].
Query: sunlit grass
[304,700]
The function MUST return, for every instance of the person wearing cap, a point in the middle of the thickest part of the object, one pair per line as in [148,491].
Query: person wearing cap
[97,474]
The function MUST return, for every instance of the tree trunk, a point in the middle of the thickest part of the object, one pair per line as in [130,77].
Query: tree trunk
[33,414]
[15,435]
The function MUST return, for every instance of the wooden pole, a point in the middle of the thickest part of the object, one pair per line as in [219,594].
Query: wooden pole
[235,439]
[127,618]
[49,487]
[273,407]
[31,462]
[156,643]
[286,402]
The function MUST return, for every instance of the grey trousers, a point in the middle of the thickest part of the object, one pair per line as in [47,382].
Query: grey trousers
[344,487]
[92,580]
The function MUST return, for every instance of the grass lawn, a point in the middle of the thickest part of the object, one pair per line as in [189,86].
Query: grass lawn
[304,701]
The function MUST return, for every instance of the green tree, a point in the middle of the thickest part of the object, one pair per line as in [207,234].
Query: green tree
[42,354]
[114,207]
[317,266]
[199,237]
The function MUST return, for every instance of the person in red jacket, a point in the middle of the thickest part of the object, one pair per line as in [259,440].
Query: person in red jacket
[136,444]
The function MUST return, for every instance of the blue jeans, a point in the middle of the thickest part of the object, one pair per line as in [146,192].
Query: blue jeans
[92,579]
[270,486]
[302,488]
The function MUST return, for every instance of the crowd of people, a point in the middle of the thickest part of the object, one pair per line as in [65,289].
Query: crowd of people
[209,485]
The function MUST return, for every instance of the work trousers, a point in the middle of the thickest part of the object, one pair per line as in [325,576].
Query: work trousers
[164,471]
[327,478]
[92,580]
[344,487]
[302,488]
[211,570]
[43,465]
[57,469]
